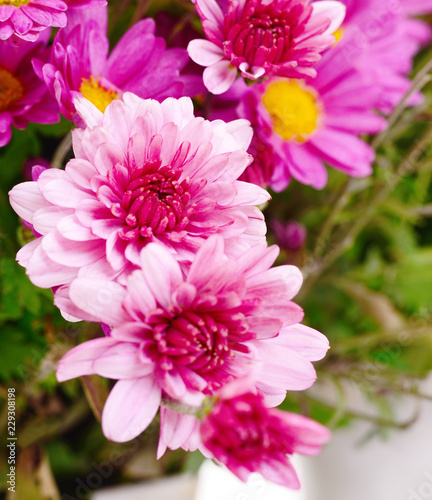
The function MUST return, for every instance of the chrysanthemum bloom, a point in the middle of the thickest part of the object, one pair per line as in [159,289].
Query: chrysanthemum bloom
[315,122]
[247,437]
[23,97]
[143,172]
[381,39]
[263,38]
[26,19]
[139,63]
[186,337]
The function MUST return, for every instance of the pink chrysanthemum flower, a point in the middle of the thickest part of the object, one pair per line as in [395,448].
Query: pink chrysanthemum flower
[308,124]
[23,98]
[144,171]
[139,63]
[26,19]
[246,436]
[263,38]
[381,39]
[186,337]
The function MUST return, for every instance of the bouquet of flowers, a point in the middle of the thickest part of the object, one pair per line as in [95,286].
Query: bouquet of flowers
[182,171]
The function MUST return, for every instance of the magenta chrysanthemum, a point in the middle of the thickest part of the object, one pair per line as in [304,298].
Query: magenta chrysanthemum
[26,19]
[23,98]
[263,38]
[381,40]
[245,436]
[143,172]
[139,63]
[183,337]
[308,124]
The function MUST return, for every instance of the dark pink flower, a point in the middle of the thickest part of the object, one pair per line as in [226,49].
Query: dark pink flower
[187,336]
[381,39]
[23,97]
[26,19]
[263,38]
[244,435]
[139,63]
[308,124]
[289,235]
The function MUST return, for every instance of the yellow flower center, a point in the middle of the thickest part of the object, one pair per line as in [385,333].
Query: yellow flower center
[11,90]
[294,109]
[338,34]
[15,3]
[97,94]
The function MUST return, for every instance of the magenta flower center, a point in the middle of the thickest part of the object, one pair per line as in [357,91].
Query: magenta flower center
[204,342]
[153,200]
[264,33]
[242,430]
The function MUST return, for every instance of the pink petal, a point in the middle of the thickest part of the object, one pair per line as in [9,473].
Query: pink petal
[79,360]
[219,77]
[101,298]
[130,408]
[154,258]
[205,53]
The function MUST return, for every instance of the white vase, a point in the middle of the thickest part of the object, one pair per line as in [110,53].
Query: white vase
[397,467]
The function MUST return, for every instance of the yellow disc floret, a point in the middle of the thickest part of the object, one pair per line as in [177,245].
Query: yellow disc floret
[96,93]
[11,89]
[338,34]
[293,108]
[15,3]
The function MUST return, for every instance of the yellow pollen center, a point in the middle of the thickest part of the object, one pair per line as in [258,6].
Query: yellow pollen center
[15,3]
[98,95]
[11,90]
[294,109]
[338,34]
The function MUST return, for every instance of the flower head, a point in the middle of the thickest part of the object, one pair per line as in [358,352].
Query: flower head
[246,436]
[139,63]
[186,336]
[263,38]
[381,40]
[144,172]
[23,98]
[26,19]
[307,123]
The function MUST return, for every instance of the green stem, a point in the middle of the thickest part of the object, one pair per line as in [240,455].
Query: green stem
[62,151]
[406,167]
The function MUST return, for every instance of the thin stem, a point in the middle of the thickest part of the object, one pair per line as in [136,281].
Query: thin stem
[62,151]
[420,80]
[140,11]
[380,422]
[406,166]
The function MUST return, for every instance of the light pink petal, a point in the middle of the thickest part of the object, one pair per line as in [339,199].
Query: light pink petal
[130,408]
[282,368]
[101,298]
[175,430]
[121,361]
[335,11]
[154,259]
[91,116]
[205,53]
[285,279]
[79,360]
[219,77]
[26,199]
[306,341]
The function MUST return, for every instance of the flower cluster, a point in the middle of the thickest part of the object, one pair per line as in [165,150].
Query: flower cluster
[154,228]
